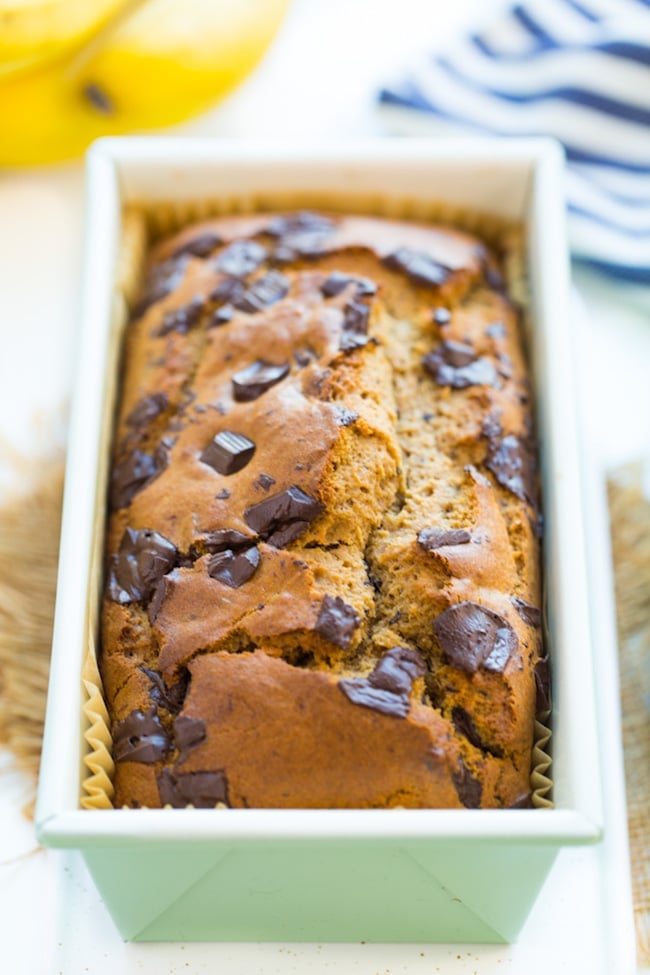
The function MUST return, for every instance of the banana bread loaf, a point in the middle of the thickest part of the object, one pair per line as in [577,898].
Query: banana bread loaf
[322,557]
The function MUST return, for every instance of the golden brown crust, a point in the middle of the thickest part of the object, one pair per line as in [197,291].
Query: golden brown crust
[379,594]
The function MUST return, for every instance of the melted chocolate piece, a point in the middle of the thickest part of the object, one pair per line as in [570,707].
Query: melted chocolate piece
[199,246]
[524,801]
[338,282]
[147,409]
[188,733]
[203,790]
[456,364]
[530,614]
[133,474]
[355,326]
[419,266]
[263,293]
[224,538]
[171,697]
[345,417]
[511,459]
[388,688]
[157,600]
[251,382]
[299,235]
[228,452]
[337,621]
[161,280]
[143,559]
[468,787]
[543,685]
[264,482]
[283,517]
[182,319]
[472,636]
[221,316]
[431,539]
[141,737]
[464,725]
[441,316]
[233,569]
[241,258]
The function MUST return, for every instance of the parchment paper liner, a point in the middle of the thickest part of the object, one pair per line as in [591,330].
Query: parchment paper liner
[143,225]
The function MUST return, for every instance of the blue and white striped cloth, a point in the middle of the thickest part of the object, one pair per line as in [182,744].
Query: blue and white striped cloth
[578,70]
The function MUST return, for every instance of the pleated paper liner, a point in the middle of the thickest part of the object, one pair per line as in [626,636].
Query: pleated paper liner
[140,227]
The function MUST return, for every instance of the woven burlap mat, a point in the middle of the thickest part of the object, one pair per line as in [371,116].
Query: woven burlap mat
[29,534]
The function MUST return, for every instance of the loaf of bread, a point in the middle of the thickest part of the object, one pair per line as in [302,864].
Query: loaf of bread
[322,556]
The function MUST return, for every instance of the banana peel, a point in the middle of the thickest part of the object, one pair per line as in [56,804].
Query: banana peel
[152,63]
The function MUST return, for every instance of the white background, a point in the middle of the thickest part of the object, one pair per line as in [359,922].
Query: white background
[318,81]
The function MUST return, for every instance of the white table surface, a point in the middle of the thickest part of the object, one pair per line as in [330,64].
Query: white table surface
[317,81]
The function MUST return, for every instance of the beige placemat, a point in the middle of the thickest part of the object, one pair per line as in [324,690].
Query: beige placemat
[29,534]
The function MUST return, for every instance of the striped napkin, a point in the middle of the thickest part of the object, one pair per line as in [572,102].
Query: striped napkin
[578,70]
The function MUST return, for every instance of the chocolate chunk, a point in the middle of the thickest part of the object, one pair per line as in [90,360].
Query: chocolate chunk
[338,282]
[228,452]
[496,330]
[182,319]
[224,538]
[171,697]
[161,280]
[302,234]
[543,685]
[337,621]
[203,790]
[283,517]
[472,636]
[441,316]
[345,417]
[199,246]
[468,787]
[251,382]
[233,569]
[456,364]
[511,459]
[355,326]
[262,293]
[141,737]
[241,258]
[221,316]
[419,266]
[524,801]
[223,494]
[464,725]
[133,474]
[530,614]
[157,600]
[431,539]
[388,687]
[264,482]
[143,559]
[147,409]
[188,733]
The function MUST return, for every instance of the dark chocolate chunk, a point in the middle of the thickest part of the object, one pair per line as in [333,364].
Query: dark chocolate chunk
[233,569]
[98,98]
[496,330]
[524,801]
[141,737]
[431,539]
[241,258]
[283,517]
[171,697]
[456,364]
[468,787]
[182,319]
[299,235]
[418,265]
[199,246]
[441,316]
[530,614]
[262,293]
[345,417]
[338,281]
[133,474]
[228,290]
[161,279]
[188,733]
[221,316]
[224,538]
[511,459]
[147,409]
[264,482]
[143,559]
[355,326]
[464,725]
[472,636]
[543,685]
[337,621]
[251,382]
[388,687]
[157,600]
[228,452]
[203,790]
[223,494]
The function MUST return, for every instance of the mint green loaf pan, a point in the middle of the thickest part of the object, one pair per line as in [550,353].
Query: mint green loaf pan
[321,875]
